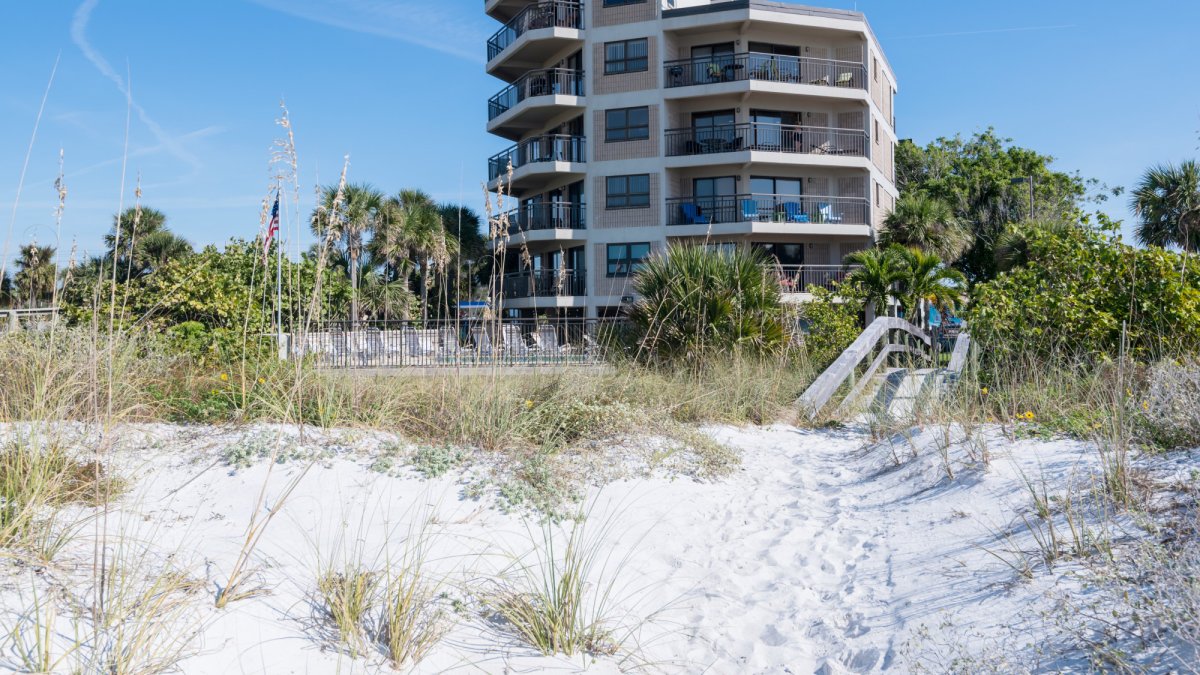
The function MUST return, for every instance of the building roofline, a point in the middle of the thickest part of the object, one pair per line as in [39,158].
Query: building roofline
[784,8]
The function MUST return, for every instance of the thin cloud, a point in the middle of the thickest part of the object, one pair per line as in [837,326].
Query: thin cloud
[79,26]
[148,150]
[435,25]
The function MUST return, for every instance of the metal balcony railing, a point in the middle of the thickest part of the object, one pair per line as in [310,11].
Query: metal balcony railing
[552,148]
[556,81]
[804,278]
[553,14]
[764,67]
[545,284]
[764,208]
[547,216]
[765,137]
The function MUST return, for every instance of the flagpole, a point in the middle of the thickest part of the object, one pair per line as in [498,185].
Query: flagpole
[279,280]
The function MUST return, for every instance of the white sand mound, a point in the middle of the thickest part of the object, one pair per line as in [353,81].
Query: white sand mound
[821,555]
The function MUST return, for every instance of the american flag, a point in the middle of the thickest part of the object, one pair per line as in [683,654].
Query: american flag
[272,227]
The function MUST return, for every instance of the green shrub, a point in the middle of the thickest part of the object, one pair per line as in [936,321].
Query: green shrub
[1079,289]
[697,302]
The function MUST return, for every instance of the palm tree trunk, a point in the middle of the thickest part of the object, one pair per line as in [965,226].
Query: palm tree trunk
[353,287]
[424,292]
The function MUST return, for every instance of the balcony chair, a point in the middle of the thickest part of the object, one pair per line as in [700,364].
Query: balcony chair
[845,79]
[793,214]
[750,210]
[826,211]
[820,81]
[692,215]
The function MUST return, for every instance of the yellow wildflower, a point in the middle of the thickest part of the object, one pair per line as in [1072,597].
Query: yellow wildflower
[528,404]
[984,391]
[1145,405]
[261,381]
[1029,415]
[214,391]
[224,377]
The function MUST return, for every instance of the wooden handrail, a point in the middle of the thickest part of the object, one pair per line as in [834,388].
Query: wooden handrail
[817,396]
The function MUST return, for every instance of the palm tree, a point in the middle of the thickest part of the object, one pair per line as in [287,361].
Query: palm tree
[1012,246]
[424,233]
[695,300]
[928,223]
[925,278]
[348,222]
[36,274]
[875,274]
[159,248]
[1167,204]
[6,291]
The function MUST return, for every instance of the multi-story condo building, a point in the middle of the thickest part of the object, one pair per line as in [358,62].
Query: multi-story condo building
[640,123]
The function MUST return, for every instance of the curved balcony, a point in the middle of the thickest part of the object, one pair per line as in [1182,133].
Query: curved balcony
[770,214]
[532,101]
[539,32]
[535,160]
[793,72]
[560,283]
[771,143]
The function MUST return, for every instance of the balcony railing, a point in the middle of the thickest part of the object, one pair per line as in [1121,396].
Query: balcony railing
[765,67]
[553,14]
[545,284]
[804,278]
[765,137]
[556,81]
[764,208]
[547,216]
[553,148]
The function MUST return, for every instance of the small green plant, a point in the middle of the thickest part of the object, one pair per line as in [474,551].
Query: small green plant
[433,461]
[412,618]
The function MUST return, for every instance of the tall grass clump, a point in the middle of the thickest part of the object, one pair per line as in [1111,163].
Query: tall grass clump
[563,597]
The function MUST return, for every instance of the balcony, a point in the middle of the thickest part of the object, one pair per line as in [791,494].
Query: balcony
[804,278]
[772,214]
[535,159]
[763,137]
[537,33]
[532,101]
[547,216]
[755,67]
[555,283]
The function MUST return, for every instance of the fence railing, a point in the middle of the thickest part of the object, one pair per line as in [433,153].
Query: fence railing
[765,67]
[554,14]
[450,344]
[547,216]
[553,82]
[13,320]
[764,208]
[551,148]
[804,278]
[767,137]
[559,283]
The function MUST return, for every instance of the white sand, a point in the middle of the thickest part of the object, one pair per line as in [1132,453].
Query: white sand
[819,555]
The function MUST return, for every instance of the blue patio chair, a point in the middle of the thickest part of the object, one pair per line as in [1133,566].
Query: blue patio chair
[792,211]
[691,215]
[827,213]
[750,210]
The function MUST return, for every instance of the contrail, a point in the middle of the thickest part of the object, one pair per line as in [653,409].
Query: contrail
[79,37]
[1024,29]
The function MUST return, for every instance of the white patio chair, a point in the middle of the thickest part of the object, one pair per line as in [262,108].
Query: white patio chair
[483,342]
[514,342]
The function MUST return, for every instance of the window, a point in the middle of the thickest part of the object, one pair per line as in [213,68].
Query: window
[875,67]
[627,56]
[627,124]
[628,192]
[619,3]
[625,259]
[878,195]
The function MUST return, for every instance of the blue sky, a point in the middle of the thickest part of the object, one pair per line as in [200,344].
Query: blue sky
[398,85]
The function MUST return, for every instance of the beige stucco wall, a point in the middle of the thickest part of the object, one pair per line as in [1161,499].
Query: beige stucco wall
[613,16]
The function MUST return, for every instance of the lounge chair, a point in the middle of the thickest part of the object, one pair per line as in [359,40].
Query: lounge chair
[515,345]
[450,346]
[370,346]
[820,81]
[826,211]
[484,348]
[420,344]
[845,79]
[793,214]
[692,216]
[545,339]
